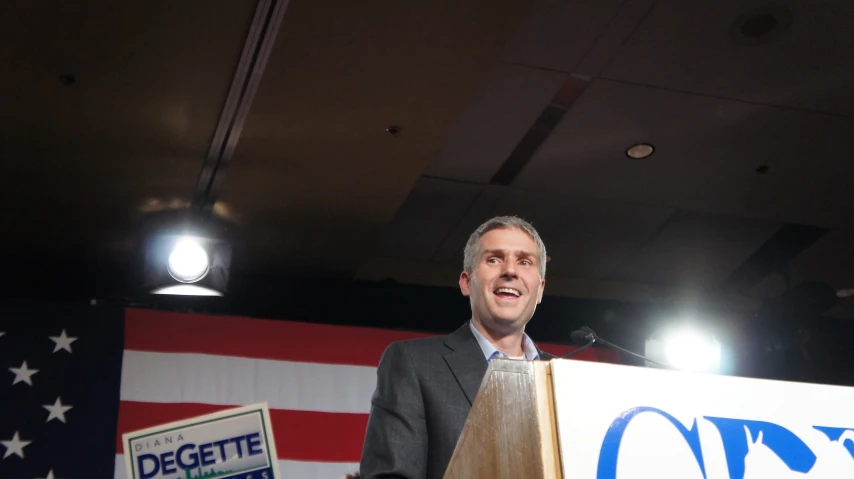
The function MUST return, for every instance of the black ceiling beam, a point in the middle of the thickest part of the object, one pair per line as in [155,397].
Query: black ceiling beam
[773,256]
[540,130]
[250,69]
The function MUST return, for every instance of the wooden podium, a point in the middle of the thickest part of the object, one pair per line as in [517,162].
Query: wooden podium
[511,430]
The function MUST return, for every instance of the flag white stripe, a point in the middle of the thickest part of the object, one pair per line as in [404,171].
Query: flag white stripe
[228,380]
[289,469]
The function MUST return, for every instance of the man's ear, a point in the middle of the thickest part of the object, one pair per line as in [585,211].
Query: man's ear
[542,288]
[465,283]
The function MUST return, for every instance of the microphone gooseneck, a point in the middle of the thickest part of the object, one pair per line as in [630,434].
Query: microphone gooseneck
[587,337]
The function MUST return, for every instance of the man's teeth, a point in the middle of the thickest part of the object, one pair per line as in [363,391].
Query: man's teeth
[508,290]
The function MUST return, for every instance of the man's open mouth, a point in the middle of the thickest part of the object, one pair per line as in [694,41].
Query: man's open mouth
[507,293]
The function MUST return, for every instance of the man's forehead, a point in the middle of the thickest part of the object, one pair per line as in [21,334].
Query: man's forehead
[508,238]
[518,252]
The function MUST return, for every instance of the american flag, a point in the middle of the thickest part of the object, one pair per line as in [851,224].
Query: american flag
[128,370]
[59,390]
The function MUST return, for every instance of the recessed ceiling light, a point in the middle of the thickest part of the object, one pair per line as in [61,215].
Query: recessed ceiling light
[67,79]
[845,293]
[640,151]
[761,25]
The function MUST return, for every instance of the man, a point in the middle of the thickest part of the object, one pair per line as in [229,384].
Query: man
[425,387]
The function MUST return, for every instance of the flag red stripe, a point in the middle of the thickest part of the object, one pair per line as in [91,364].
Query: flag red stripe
[299,435]
[280,340]
[257,338]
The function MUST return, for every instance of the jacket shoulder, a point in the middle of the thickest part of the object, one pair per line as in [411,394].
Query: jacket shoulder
[419,345]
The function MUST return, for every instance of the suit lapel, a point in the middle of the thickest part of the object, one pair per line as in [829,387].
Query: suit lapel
[544,356]
[466,360]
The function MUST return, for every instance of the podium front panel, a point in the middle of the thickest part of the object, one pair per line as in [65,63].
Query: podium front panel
[625,422]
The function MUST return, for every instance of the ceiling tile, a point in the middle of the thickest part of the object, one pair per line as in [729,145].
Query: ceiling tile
[499,115]
[696,250]
[558,34]
[430,213]
[830,259]
[690,47]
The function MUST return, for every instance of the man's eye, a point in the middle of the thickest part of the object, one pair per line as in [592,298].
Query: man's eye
[525,262]
[492,260]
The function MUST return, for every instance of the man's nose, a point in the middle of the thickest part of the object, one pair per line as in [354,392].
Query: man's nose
[509,270]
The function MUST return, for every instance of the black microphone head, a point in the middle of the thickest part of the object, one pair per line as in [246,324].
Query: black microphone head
[582,336]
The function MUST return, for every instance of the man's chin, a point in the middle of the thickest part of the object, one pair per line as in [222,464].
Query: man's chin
[508,320]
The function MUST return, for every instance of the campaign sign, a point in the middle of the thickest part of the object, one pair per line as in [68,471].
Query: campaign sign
[235,443]
[624,422]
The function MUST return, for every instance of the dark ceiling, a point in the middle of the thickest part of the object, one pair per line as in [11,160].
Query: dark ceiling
[273,116]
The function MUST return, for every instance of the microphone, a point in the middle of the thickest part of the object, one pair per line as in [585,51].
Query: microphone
[587,337]
[583,335]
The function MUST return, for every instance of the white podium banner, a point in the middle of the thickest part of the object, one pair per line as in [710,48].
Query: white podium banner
[624,422]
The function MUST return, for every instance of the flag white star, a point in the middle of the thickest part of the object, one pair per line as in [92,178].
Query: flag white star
[62,341]
[24,374]
[15,446]
[57,410]
[49,475]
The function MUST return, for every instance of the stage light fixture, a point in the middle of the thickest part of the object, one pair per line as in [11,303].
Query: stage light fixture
[188,262]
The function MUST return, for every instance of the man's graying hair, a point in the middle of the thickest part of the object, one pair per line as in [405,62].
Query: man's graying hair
[472,252]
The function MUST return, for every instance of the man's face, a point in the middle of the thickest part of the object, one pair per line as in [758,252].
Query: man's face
[505,285]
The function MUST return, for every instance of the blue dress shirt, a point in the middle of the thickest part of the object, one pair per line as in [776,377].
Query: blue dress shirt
[490,351]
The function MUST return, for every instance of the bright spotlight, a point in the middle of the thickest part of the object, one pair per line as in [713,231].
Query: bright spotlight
[691,351]
[188,261]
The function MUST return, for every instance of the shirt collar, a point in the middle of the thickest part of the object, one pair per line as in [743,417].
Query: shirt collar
[490,351]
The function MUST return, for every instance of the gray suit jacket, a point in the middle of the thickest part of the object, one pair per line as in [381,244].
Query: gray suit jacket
[425,389]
